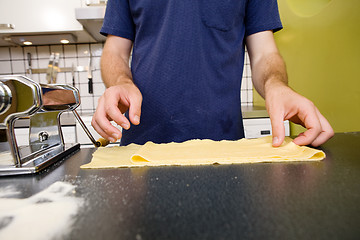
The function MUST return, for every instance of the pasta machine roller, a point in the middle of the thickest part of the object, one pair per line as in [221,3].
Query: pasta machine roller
[42,104]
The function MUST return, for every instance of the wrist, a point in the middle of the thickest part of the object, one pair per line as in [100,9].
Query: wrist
[274,85]
[124,80]
[120,80]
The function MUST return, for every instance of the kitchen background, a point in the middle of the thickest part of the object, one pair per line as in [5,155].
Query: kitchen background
[14,60]
[79,22]
[319,43]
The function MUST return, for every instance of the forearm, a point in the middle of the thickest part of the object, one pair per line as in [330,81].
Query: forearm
[121,94]
[267,66]
[282,103]
[114,64]
[268,72]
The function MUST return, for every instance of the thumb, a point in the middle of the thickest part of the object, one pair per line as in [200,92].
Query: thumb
[278,128]
[135,108]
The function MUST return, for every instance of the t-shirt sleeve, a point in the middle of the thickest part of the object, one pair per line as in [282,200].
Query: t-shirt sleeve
[262,15]
[118,20]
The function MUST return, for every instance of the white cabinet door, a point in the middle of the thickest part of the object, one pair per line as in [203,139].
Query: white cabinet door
[39,15]
[261,127]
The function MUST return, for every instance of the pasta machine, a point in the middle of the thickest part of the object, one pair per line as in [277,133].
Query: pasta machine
[42,104]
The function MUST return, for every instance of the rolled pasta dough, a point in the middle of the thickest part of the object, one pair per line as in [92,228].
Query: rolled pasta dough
[200,152]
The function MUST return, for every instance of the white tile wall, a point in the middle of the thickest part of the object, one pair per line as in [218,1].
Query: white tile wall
[43,52]
[70,51]
[246,84]
[69,62]
[18,66]
[5,67]
[32,50]
[96,49]
[57,49]
[16,53]
[61,78]
[83,50]
[42,63]
[4,53]
[13,60]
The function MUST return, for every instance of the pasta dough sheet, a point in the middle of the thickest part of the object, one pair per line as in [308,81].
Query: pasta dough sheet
[200,152]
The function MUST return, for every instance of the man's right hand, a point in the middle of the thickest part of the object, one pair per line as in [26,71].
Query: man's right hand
[115,101]
[121,94]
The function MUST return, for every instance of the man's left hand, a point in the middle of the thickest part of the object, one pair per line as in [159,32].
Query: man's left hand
[283,103]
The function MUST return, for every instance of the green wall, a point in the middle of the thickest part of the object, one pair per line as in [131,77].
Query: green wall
[320,44]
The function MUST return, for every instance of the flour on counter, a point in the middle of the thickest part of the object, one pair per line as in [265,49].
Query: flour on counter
[48,214]
[9,191]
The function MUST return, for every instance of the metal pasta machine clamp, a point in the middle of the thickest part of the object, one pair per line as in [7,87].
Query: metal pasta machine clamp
[21,97]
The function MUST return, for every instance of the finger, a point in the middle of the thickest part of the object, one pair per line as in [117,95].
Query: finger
[114,113]
[300,134]
[102,133]
[135,108]
[107,130]
[98,129]
[313,126]
[326,133]
[278,128]
[103,126]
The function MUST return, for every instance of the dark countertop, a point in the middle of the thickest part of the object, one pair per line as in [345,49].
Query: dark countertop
[318,200]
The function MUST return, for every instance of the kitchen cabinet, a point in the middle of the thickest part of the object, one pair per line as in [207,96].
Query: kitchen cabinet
[41,17]
[257,122]
[261,127]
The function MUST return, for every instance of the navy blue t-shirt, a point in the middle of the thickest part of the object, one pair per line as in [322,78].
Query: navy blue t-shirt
[187,61]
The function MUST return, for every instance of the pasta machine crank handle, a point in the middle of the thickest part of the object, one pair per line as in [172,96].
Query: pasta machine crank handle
[100,143]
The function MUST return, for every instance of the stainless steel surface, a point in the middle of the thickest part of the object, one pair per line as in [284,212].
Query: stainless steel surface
[41,160]
[59,97]
[5,98]
[89,70]
[73,74]
[25,98]
[90,77]
[49,72]
[66,119]
[55,68]
[92,19]
[43,104]
[29,60]
[65,69]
